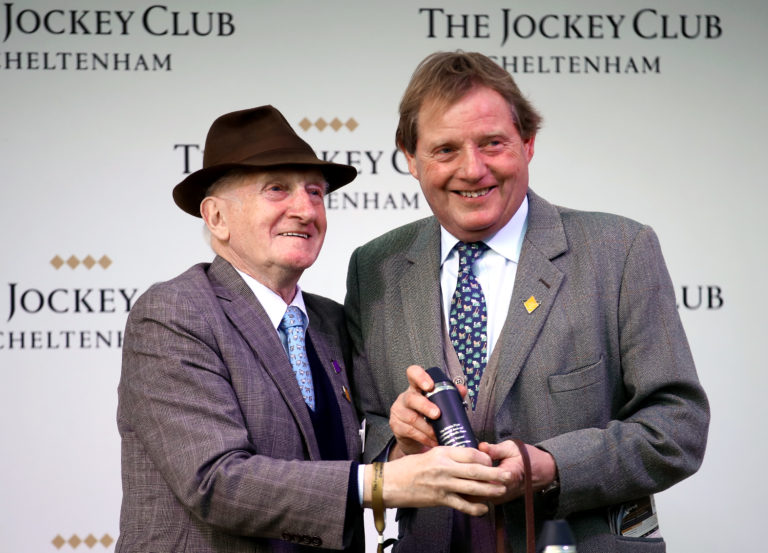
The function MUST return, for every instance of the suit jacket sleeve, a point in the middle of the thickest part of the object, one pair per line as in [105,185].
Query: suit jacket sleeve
[179,406]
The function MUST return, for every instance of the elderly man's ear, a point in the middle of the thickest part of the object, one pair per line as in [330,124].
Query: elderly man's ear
[214,215]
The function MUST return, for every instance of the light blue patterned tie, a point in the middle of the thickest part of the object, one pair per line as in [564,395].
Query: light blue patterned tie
[469,319]
[292,326]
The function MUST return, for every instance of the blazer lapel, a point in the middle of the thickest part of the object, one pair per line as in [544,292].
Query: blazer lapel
[248,316]
[419,290]
[537,277]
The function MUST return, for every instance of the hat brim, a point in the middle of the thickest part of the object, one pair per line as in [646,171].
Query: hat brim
[190,192]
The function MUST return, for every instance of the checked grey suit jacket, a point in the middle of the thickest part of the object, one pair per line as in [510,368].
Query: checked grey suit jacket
[600,374]
[215,433]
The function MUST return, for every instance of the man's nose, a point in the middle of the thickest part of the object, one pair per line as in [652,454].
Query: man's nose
[303,204]
[473,166]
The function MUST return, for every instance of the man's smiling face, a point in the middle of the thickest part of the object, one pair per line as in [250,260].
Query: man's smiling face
[471,163]
[275,222]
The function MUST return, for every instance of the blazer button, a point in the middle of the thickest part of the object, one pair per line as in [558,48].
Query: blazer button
[458,380]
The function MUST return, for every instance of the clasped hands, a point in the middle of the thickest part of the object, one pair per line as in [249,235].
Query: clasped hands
[470,479]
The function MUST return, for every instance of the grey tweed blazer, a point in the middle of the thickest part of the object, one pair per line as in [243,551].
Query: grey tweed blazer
[600,374]
[216,437]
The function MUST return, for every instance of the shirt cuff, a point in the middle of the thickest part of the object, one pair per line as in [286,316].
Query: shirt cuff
[360,482]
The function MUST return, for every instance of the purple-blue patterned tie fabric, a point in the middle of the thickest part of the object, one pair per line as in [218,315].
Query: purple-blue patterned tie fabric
[293,326]
[469,319]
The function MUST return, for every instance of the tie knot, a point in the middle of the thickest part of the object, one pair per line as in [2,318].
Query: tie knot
[293,317]
[468,254]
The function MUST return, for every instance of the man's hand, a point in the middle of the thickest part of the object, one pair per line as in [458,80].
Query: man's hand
[457,477]
[543,467]
[413,433]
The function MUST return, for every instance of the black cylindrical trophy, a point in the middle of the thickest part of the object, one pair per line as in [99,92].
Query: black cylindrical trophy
[452,426]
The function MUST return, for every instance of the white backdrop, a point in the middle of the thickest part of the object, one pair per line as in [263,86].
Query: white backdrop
[655,110]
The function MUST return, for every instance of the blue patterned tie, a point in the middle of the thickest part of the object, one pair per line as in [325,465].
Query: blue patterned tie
[469,319]
[292,326]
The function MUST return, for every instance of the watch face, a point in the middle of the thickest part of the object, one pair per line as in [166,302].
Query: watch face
[554,486]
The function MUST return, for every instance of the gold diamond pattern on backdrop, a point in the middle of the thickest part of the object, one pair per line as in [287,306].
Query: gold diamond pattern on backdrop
[336,124]
[88,262]
[90,541]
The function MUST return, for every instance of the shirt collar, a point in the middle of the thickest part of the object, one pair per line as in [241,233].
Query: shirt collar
[507,242]
[272,303]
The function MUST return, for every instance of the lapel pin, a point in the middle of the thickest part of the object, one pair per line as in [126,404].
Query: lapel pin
[346,393]
[531,304]
[336,366]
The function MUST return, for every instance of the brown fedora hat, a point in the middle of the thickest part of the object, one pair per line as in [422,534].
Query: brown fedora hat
[253,138]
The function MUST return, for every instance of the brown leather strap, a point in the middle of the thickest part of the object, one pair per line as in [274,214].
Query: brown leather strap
[501,534]
[530,527]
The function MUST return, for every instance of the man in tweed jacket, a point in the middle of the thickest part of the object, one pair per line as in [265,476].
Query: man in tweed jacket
[587,360]
[224,447]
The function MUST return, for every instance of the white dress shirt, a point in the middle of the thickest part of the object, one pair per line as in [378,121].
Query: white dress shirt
[273,304]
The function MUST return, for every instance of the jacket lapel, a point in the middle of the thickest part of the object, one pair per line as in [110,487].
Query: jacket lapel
[248,316]
[419,290]
[536,277]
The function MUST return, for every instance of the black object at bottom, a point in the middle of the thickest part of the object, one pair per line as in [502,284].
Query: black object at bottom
[556,536]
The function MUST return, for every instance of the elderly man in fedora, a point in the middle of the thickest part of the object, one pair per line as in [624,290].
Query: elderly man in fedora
[237,429]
